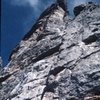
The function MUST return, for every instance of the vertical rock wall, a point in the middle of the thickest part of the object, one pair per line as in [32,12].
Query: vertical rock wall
[59,59]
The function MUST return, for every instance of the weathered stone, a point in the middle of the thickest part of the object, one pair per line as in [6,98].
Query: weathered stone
[59,59]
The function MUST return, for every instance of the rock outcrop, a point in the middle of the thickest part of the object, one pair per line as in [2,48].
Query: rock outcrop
[59,59]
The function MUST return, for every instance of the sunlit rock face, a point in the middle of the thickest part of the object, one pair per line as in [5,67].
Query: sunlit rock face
[59,59]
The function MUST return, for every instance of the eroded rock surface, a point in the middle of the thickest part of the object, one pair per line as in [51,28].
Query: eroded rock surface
[59,59]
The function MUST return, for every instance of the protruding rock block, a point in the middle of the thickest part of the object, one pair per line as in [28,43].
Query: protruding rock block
[78,9]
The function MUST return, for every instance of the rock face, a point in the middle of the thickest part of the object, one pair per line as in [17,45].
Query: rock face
[59,59]
[0,62]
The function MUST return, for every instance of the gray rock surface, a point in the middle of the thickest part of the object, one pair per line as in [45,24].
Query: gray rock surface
[0,62]
[59,59]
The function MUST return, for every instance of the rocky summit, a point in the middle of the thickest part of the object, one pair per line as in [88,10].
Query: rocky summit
[58,59]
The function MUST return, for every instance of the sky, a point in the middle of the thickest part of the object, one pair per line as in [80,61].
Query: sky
[17,18]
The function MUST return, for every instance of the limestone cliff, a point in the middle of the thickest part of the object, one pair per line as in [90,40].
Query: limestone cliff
[59,58]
